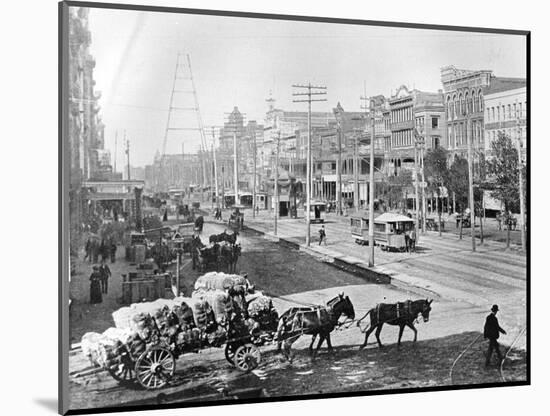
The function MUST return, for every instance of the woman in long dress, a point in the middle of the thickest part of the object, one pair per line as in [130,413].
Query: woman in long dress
[95,286]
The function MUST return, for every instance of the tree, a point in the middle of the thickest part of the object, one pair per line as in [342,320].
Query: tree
[398,186]
[457,182]
[502,169]
[437,174]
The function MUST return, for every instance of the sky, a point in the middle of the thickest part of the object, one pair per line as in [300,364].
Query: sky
[239,62]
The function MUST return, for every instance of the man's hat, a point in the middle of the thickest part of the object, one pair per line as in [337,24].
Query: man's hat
[95,267]
[494,308]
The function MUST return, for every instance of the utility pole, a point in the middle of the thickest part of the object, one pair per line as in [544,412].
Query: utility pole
[215,167]
[311,91]
[521,198]
[235,168]
[416,143]
[422,145]
[339,170]
[128,154]
[114,159]
[470,182]
[356,174]
[254,180]
[371,188]
[276,184]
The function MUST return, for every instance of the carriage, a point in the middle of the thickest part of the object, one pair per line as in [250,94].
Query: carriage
[317,210]
[155,365]
[149,355]
[236,219]
[389,230]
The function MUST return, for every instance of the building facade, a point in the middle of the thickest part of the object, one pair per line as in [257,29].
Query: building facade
[88,158]
[506,112]
[413,112]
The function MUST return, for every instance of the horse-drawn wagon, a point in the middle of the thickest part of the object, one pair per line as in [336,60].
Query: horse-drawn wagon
[236,219]
[151,360]
[150,337]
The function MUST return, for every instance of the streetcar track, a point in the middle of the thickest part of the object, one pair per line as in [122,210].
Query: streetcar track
[501,367]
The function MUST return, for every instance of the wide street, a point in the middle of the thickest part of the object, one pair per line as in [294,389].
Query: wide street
[462,284]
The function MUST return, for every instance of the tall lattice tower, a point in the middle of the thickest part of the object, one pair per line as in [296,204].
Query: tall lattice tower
[184,125]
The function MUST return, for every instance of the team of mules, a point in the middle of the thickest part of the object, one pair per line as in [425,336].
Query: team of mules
[322,320]
[220,256]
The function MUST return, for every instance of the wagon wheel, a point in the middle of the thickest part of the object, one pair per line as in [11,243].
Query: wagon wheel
[155,367]
[247,357]
[230,353]
[122,369]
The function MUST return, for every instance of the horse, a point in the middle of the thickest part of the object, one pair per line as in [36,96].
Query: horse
[400,313]
[318,320]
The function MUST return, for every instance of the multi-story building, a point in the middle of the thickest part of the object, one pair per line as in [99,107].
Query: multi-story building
[506,112]
[464,107]
[410,110]
[86,130]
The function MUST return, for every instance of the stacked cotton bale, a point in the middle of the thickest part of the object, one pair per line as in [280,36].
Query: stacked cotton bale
[220,281]
[218,300]
[102,348]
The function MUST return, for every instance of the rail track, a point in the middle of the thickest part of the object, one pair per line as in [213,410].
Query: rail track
[467,351]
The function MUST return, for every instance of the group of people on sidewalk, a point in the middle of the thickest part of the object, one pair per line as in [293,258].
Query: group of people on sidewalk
[99,282]
[106,249]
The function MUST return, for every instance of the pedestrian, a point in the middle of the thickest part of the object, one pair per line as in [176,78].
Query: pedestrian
[95,286]
[113,251]
[103,250]
[104,273]
[407,241]
[165,216]
[492,331]
[322,235]
[88,250]
[413,240]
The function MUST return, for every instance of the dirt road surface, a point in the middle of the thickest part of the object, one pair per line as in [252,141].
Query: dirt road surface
[449,350]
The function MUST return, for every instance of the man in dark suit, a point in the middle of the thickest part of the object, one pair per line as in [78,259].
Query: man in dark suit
[492,331]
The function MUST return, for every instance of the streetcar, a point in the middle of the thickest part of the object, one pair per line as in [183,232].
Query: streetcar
[389,230]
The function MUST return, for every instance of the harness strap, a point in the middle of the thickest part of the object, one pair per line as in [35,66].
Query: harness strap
[397,309]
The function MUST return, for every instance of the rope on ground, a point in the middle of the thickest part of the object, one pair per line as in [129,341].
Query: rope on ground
[460,356]
[507,352]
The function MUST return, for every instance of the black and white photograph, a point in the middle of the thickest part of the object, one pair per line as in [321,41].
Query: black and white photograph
[263,208]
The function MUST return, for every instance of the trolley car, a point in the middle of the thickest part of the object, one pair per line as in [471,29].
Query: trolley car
[389,230]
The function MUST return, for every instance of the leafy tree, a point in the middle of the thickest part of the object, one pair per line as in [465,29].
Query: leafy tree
[502,169]
[436,173]
[398,186]
[457,183]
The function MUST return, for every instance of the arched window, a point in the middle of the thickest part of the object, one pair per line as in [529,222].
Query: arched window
[460,105]
[480,100]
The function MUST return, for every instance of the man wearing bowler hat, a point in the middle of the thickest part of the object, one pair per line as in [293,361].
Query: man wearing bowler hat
[492,331]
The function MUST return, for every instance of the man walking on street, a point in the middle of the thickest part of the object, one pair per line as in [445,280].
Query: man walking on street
[492,331]
[113,251]
[105,273]
[322,235]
